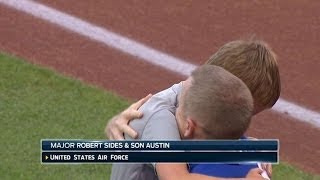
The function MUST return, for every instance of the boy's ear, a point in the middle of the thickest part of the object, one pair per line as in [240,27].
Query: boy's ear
[190,128]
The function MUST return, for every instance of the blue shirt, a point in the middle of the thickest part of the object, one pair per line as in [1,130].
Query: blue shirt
[222,170]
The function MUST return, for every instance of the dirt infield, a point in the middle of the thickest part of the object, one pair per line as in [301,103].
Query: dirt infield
[189,30]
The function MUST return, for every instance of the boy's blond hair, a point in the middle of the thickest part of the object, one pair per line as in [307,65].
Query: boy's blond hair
[254,62]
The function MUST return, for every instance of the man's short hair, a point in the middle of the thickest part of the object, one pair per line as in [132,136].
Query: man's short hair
[220,103]
[254,62]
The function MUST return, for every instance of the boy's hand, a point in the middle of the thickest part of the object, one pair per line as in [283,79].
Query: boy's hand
[118,125]
[268,168]
[255,174]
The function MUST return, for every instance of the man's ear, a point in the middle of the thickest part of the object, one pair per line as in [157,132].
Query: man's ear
[190,128]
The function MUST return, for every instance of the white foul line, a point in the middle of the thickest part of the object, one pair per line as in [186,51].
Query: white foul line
[139,50]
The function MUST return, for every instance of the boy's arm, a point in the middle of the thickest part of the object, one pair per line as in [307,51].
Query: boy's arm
[267,167]
[179,171]
[118,125]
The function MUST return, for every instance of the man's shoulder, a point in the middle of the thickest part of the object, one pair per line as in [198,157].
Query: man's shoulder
[167,97]
[160,119]
[164,100]
[160,108]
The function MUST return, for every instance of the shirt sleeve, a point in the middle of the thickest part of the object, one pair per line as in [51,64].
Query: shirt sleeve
[161,125]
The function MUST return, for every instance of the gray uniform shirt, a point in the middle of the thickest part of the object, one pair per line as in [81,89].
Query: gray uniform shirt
[158,123]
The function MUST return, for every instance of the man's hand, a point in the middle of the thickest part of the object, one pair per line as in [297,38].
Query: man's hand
[255,174]
[118,125]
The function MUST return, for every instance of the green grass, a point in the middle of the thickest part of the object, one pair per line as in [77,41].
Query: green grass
[286,171]
[36,103]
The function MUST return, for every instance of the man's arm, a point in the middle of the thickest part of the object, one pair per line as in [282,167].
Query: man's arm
[118,125]
[179,171]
